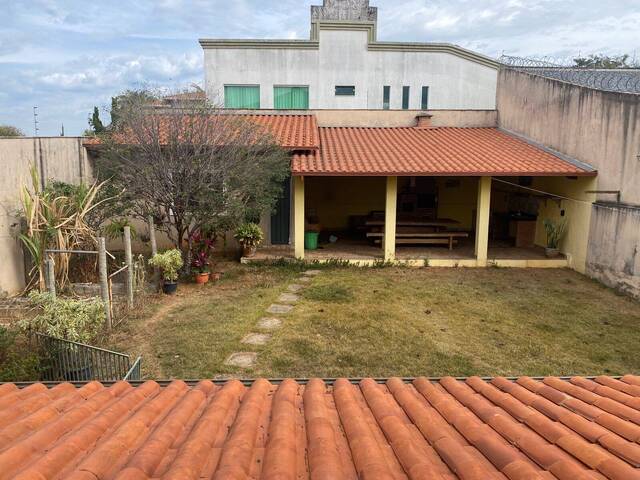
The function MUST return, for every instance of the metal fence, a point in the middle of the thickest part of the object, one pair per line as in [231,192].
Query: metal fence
[622,80]
[63,360]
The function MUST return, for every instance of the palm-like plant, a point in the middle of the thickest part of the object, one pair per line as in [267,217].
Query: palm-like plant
[56,220]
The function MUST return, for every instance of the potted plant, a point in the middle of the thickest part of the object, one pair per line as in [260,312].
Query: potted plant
[555,231]
[202,246]
[169,263]
[250,236]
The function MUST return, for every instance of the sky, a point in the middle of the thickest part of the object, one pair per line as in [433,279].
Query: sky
[65,56]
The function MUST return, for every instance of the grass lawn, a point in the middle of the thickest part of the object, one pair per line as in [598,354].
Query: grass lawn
[394,322]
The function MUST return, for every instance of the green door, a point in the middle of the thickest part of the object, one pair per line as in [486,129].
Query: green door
[280,220]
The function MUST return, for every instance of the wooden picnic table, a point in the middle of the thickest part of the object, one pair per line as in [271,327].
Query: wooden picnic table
[416,222]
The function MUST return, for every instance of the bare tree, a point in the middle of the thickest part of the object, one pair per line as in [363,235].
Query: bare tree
[193,166]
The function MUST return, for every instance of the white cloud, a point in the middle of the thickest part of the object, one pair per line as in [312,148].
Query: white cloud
[68,55]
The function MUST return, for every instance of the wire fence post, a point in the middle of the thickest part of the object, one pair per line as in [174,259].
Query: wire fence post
[154,250]
[104,280]
[50,278]
[129,260]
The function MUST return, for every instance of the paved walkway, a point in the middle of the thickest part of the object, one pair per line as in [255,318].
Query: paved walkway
[266,325]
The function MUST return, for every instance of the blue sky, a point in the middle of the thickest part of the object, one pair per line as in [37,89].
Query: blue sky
[67,55]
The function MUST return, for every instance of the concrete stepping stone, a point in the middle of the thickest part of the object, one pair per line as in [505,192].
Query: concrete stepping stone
[279,309]
[312,273]
[256,338]
[242,359]
[305,279]
[269,323]
[295,288]
[288,298]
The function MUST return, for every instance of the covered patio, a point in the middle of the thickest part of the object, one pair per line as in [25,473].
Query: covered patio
[435,196]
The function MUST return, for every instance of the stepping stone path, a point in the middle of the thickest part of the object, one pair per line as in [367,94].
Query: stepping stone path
[256,339]
[288,298]
[242,359]
[279,309]
[248,359]
[270,323]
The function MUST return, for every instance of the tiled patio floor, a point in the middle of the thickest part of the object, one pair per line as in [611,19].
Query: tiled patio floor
[359,250]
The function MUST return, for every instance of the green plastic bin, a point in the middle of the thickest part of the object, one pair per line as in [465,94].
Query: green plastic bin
[311,240]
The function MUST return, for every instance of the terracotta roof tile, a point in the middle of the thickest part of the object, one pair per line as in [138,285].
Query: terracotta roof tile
[428,151]
[293,132]
[448,429]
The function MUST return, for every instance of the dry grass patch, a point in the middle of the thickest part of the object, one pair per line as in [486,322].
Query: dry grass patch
[383,322]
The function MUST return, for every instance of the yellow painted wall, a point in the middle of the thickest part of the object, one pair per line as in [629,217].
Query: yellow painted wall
[458,202]
[578,215]
[334,199]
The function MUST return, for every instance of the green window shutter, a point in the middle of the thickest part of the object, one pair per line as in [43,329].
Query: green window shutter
[386,98]
[405,98]
[425,98]
[291,98]
[242,97]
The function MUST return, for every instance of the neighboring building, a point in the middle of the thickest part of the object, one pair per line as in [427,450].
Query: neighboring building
[599,126]
[344,66]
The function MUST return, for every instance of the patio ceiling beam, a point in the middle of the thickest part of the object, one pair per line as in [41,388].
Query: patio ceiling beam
[391,205]
[482,220]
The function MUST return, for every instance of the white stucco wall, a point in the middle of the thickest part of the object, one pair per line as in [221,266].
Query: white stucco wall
[343,58]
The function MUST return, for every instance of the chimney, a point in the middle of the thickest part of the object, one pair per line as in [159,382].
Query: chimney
[424,120]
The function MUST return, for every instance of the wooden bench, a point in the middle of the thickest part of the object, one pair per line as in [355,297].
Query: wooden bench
[440,238]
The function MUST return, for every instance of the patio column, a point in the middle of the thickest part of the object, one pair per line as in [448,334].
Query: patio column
[482,220]
[298,217]
[390,219]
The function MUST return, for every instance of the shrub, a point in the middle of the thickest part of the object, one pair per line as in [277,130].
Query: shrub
[115,229]
[555,232]
[17,362]
[69,319]
[249,234]
[169,262]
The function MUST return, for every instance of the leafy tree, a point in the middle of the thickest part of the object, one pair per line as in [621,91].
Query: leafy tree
[606,61]
[95,123]
[193,167]
[129,99]
[10,131]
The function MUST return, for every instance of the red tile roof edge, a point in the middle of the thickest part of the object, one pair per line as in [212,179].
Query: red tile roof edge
[450,429]
[305,380]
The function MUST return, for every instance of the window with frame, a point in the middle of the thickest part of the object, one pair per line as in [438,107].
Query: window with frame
[405,97]
[345,90]
[386,98]
[425,98]
[242,97]
[290,98]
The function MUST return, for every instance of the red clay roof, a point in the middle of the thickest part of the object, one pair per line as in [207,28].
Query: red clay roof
[450,429]
[443,151]
[293,132]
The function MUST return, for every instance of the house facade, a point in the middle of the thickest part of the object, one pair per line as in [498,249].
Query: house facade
[409,157]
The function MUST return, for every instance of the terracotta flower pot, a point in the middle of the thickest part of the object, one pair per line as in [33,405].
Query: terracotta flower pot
[202,278]
[249,250]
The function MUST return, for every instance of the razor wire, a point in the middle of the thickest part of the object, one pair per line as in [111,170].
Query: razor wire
[621,80]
